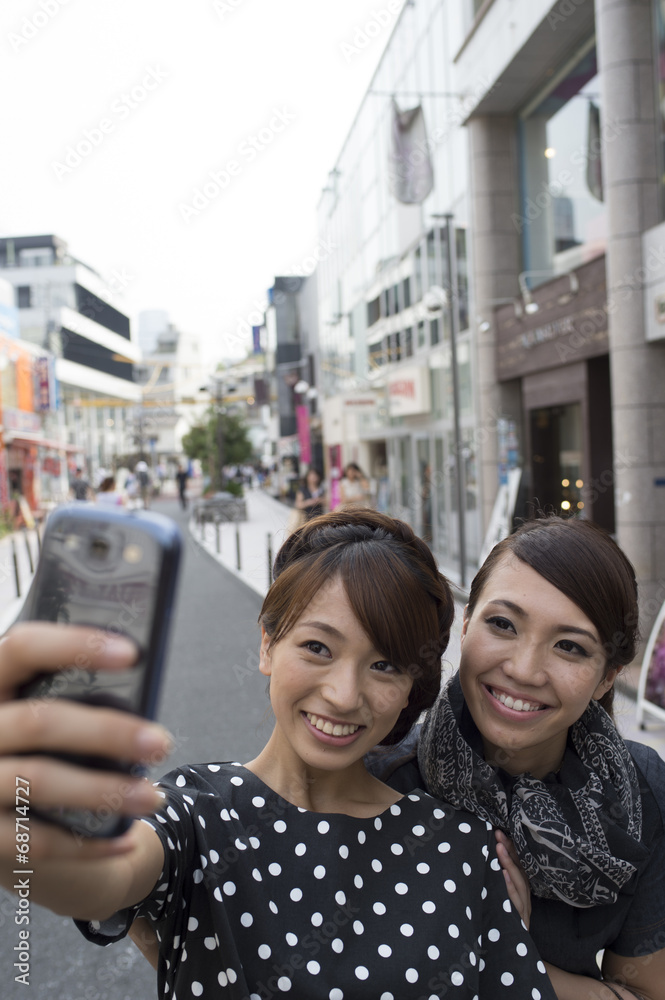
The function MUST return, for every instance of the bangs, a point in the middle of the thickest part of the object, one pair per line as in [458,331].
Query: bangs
[388,600]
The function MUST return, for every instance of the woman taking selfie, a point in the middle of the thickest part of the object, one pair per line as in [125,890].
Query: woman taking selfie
[522,738]
[297,873]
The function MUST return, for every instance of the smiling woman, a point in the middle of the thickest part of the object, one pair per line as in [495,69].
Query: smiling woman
[299,872]
[523,737]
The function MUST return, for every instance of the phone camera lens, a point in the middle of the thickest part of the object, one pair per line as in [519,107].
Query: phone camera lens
[99,548]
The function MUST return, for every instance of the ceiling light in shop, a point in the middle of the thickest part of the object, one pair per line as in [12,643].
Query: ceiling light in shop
[550,152]
[565,505]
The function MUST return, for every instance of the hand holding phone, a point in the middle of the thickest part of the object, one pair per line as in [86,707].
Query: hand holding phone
[115,572]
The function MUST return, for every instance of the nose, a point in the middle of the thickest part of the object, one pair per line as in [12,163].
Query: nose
[525,664]
[343,688]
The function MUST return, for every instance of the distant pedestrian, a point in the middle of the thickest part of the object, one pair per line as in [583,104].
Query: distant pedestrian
[143,478]
[354,487]
[310,497]
[108,495]
[80,487]
[182,475]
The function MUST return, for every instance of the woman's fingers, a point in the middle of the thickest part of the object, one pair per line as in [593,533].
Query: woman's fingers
[58,725]
[52,783]
[31,647]
[517,884]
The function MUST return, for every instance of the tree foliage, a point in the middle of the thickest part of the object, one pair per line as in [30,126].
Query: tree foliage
[201,441]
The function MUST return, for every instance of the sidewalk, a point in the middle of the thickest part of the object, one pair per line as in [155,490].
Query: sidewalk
[267,519]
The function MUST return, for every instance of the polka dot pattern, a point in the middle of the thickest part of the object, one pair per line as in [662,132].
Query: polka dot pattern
[331,907]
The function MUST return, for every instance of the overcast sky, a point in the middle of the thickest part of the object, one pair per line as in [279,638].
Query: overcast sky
[114,113]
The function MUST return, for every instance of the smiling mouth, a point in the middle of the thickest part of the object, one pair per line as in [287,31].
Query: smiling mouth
[331,728]
[517,704]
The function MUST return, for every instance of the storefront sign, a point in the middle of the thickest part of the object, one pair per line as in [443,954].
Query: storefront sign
[409,391]
[569,325]
[302,421]
[360,402]
[44,384]
[21,421]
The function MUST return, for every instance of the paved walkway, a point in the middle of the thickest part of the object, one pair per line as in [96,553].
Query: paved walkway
[266,524]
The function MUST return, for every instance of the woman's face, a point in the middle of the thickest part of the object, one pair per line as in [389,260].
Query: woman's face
[313,480]
[531,662]
[333,694]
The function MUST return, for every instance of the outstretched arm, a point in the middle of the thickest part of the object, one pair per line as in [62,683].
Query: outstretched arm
[88,878]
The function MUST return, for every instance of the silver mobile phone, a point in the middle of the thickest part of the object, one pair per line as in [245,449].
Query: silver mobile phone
[116,572]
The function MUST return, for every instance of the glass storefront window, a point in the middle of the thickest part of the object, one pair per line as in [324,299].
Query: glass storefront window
[557,457]
[563,216]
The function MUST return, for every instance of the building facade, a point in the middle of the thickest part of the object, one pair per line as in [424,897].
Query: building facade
[542,131]
[566,168]
[396,210]
[66,310]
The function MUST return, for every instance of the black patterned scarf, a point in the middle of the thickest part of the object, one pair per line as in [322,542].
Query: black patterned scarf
[577,832]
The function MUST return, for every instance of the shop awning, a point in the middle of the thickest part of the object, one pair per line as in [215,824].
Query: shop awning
[22,439]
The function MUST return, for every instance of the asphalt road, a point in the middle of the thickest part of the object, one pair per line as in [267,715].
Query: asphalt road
[216,705]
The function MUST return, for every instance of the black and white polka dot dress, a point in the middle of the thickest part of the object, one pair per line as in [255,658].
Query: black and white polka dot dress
[261,899]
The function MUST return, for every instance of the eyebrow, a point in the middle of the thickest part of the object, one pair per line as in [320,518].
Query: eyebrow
[517,610]
[322,627]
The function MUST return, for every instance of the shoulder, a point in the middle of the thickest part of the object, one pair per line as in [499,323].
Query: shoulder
[651,768]
[207,779]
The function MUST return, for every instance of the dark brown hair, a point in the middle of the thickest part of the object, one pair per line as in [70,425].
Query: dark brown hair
[581,560]
[393,584]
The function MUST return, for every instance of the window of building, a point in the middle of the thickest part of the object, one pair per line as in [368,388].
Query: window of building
[377,355]
[24,296]
[422,339]
[406,293]
[35,257]
[373,311]
[407,342]
[434,332]
[563,216]
[417,276]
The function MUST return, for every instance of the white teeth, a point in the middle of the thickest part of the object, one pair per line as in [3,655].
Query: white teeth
[332,729]
[516,703]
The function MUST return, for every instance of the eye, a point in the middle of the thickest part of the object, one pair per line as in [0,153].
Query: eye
[383,667]
[568,646]
[316,647]
[500,623]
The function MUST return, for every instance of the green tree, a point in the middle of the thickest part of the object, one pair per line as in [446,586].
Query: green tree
[218,436]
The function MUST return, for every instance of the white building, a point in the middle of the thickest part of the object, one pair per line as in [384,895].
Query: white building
[171,375]
[66,308]
[385,290]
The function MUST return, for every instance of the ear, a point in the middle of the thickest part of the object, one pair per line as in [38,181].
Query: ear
[606,683]
[465,623]
[265,663]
